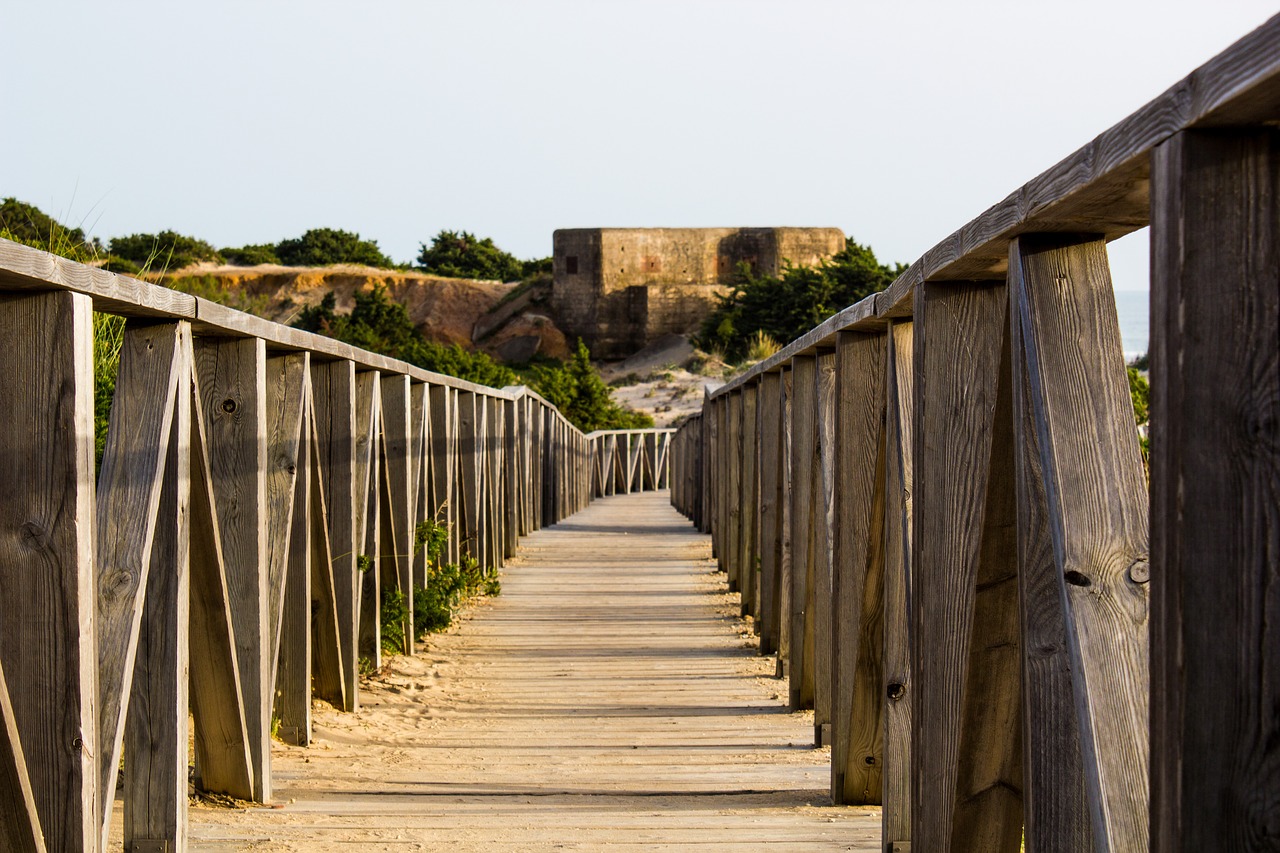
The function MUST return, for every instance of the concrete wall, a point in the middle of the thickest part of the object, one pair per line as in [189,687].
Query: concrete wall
[619,288]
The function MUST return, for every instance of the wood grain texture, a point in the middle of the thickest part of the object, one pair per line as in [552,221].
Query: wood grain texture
[958,342]
[19,822]
[442,505]
[1097,514]
[898,686]
[819,620]
[46,556]
[770,455]
[804,447]
[223,758]
[1056,812]
[329,657]
[857,559]
[734,489]
[152,367]
[470,483]
[367,469]
[286,377]
[397,435]
[157,731]
[786,561]
[333,392]
[233,396]
[1215,511]
[292,699]
[749,519]
[420,471]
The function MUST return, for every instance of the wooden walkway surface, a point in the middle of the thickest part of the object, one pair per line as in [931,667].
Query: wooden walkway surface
[606,700]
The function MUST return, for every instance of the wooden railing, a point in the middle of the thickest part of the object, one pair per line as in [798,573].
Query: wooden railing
[629,460]
[934,504]
[260,489]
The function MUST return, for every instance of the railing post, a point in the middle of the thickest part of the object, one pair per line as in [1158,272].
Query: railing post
[733,491]
[965,750]
[1215,513]
[749,492]
[771,460]
[818,610]
[804,449]
[368,473]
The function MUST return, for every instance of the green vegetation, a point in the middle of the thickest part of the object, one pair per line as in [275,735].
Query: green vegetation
[27,224]
[1140,393]
[378,324]
[167,250]
[460,254]
[393,615]
[252,255]
[786,307]
[323,246]
[449,585]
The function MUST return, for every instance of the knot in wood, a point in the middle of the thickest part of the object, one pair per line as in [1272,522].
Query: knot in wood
[1140,571]
[34,536]
[229,406]
[1077,579]
[896,691]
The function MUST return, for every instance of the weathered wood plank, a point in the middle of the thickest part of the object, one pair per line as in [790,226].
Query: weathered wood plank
[420,473]
[965,751]
[804,446]
[1097,514]
[748,546]
[292,703]
[286,378]
[224,760]
[818,612]
[19,822]
[233,395]
[1215,511]
[334,399]
[857,559]
[733,491]
[397,431]
[152,367]
[368,464]
[786,498]
[470,481]
[770,454]
[329,657]
[896,782]
[157,732]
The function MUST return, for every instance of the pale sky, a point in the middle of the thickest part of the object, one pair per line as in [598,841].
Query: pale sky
[248,122]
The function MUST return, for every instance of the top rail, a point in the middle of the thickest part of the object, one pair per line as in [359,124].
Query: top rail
[1102,188]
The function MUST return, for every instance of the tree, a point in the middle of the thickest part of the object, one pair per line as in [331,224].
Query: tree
[251,255]
[27,224]
[793,303]
[323,246]
[460,254]
[166,250]
[576,389]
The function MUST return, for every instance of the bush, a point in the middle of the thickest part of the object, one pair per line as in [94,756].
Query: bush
[786,307]
[576,389]
[166,250]
[252,255]
[121,265]
[449,585]
[460,254]
[393,615]
[27,224]
[324,246]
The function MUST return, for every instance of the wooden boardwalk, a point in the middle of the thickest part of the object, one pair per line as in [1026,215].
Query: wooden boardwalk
[607,699]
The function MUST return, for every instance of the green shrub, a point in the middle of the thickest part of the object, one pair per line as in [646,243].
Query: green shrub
[460,254]
[124,266]
[27,224]
[576,389]
[324,246]
[786,307]
[167,250]
[251,255]
[393,616]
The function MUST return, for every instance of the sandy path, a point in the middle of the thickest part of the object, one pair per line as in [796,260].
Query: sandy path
[607,699]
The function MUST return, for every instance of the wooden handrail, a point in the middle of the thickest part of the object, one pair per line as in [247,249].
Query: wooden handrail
[935,507]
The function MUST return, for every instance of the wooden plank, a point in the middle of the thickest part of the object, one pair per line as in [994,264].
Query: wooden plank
[157,733]
[769,431]
[896,782]
[786,498]
[367,470]
[329,656]
[750,502]
[965,751]
[233,395]
[286,377]
[152,367]
[818,612]
[469,472]
[1215,757]
[804,447]
[19,822]
[443,505]
[733,491]
[397,436]
[292,701]
[1097,514]
[224,761]
[334,398]
[46,563]
[1056,813]
[420,470]
[512,476]
[857,559]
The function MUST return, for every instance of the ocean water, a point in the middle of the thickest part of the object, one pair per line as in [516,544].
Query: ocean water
[1135,318]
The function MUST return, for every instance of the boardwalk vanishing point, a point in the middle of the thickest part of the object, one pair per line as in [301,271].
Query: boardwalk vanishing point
[607,699]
